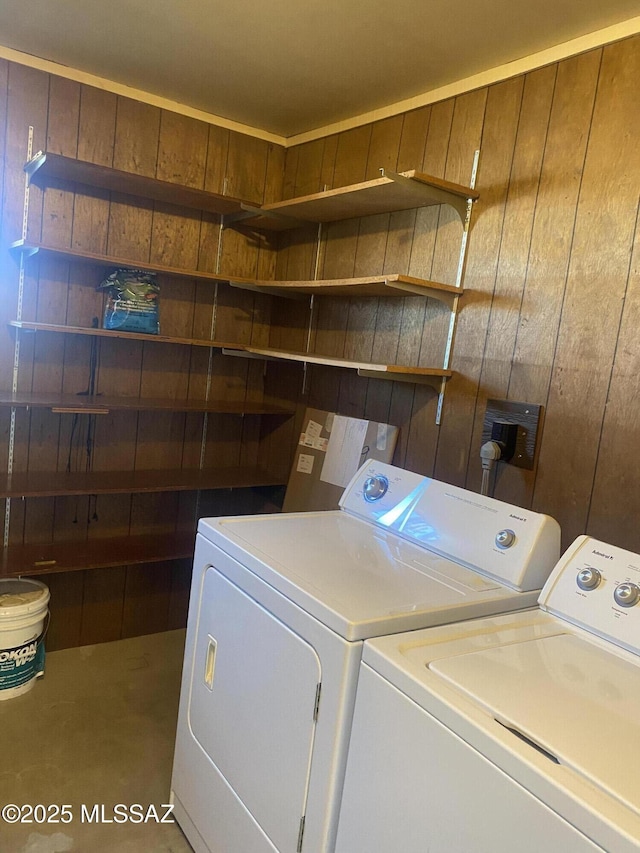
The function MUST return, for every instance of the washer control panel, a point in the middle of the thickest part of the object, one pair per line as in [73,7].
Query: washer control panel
[515,546]
[597,586]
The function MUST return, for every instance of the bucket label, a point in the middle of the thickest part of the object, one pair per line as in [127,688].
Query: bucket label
[22,663]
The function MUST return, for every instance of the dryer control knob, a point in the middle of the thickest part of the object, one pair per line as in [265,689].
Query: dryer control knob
[505,539]
[588,578]
[375,487]
[627,594]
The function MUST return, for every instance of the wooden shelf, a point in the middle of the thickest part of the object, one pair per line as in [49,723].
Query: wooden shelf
[386,194]
[99,404]
[114,333]
[34,484]
[384,285]
[394,372]
[47,168]
[30,249]
[95,554]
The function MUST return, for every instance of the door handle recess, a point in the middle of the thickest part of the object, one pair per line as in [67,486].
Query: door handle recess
[210,662]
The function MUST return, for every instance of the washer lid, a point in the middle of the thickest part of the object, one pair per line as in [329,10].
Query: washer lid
[571,698]
[358,580]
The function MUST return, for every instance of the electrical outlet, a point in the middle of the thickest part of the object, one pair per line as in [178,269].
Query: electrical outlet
[527,416]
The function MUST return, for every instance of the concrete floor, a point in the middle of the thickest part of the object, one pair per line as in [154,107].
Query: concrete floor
[97,729]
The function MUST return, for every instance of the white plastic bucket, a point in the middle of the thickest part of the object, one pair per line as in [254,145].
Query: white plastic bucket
[23,613]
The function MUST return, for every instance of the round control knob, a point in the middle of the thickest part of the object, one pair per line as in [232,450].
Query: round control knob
[588,578]
[505,539]
[375,487]
[627,594]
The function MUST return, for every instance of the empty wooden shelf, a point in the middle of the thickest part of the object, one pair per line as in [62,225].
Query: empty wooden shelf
[114,333]
[381,285]
[386,194]
[30,249]
[395,372]
[47,168]
[37,484]
[99,404]
[102,553]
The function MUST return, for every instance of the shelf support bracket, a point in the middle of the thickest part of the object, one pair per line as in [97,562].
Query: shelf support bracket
[462,260]
[250,212]
[458,203]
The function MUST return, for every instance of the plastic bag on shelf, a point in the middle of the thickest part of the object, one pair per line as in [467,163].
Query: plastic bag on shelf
[132,301]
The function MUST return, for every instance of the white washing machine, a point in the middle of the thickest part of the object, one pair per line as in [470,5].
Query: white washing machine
[280,606]
[513,733]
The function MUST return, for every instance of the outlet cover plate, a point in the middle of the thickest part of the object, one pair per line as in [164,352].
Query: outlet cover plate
[528,416]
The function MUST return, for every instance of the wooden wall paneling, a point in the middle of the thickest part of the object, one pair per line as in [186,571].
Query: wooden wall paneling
[261,322]
[323,387]
[27,106]
[424,321]
[307,177]
[135,150]
[511,274]
[352,152]
[250,426]
[62,138]
[331,317]
[384,146]
[119,373]
[362,313]
[96,140]
[366,315]
[352,394]
[279,436]
[329,155]
[96,128]
[434,254]
[147,599]
[417,132]
[247,167]
[65,607]
[202,326]
[102,605]
[274,178]
[84,306]
[602,243]
[137,137]
[387,321]
[154,513]
[553,227]
[465,134]
[179,599]
[348,325]
[415,129]
[27,99]
[291,158]
[216,165]
[498,139]
[182,150]
[52,295]
[361,254]
[615,499]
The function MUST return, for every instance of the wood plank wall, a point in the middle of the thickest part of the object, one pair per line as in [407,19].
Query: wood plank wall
[79,121]
[552,302]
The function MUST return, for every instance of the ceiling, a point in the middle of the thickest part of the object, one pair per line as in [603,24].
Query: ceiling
[289,66]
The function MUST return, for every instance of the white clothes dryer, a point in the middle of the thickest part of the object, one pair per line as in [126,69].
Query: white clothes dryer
[280,606]
[518,732]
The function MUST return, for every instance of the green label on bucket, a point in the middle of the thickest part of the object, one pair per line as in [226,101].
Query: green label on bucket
[21,664]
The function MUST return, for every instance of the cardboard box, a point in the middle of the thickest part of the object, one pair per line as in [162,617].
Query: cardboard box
[330,450]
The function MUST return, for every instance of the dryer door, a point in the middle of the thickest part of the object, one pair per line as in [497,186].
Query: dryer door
[252,705]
